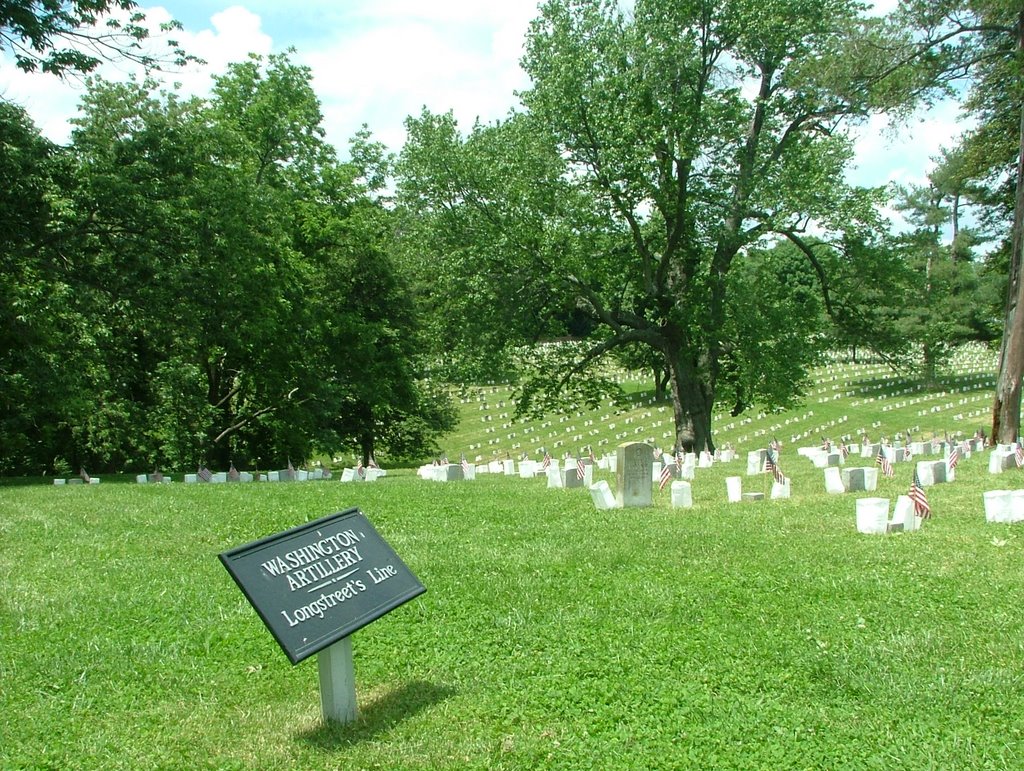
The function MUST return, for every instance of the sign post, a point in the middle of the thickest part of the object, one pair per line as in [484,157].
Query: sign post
[337,682]
[315,585]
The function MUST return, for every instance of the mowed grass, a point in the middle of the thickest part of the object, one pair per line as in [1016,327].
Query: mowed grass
[756,635]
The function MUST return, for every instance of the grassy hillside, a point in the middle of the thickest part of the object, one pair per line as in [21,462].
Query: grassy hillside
[845,398]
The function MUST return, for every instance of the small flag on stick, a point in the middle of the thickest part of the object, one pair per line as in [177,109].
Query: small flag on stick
[771,463]
[883,462]
[666,474]
[919,498]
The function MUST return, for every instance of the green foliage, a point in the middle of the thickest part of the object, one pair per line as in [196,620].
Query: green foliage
[74,36]
[218,285]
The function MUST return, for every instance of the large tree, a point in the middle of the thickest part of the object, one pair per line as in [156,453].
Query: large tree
[656,149]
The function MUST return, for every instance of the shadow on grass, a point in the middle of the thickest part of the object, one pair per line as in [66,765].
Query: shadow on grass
[378,715]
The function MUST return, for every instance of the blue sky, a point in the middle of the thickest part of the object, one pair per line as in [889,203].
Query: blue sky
[378,61]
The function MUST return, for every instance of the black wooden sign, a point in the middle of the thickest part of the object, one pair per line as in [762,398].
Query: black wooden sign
[321,581]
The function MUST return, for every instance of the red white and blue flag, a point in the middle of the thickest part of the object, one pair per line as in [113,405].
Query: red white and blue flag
[883,462]
[666,474]
[919,498]
[771,463]
[204,474]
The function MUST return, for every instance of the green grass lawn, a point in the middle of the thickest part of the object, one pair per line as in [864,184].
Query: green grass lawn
[552,635]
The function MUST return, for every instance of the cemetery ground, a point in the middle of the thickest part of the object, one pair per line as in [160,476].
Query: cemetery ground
[765,634]
[762,634]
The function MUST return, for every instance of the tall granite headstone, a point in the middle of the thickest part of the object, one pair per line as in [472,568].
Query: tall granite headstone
[634,469]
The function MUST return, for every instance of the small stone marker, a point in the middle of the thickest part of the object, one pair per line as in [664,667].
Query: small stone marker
[682,495]
[872,515]
[998,505]
[570,478]
[755,461]
[633,480]
[1000,461]
[854,480]
[753,496]
[315,585]
[734,489]
[602,496]
[554,478]
[931,472]
[833,480]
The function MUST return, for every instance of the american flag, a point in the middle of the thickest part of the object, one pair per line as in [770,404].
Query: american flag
[291,470]
[373,462]
[666,474]
[592,458]
[881,460]
[465,465]
[1018,455]
[84,474]
[843,449]
[826,445]
[920,498]
[771,463]
[581,469]
[954,456]
[156,476]
[547,460]
[204,474]
[360,469]
[233,474]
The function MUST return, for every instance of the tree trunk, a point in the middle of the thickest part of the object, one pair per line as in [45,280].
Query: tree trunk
[661,380]
[928,354]
[692,403]
[1006,405]
[367,435]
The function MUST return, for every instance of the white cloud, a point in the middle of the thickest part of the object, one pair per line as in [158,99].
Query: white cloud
[904,154]
[459,56]
[52,102]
